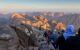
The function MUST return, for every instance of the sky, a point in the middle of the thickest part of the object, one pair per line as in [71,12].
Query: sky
[10,5]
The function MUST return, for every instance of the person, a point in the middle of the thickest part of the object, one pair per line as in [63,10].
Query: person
[73,42]
[69,32]
[47,35]
[53,37]
[61,41]
[60,27]
[56,33]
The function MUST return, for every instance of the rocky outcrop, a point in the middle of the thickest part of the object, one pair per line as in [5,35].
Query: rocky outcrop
[8,38]
[26,36]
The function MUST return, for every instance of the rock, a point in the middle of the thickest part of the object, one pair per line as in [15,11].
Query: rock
[8,38]
[25,40]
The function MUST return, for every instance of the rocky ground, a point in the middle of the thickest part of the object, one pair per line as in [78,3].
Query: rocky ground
[9,40]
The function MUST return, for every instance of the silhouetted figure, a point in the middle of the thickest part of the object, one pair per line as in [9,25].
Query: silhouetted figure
[73,42]
[61,41]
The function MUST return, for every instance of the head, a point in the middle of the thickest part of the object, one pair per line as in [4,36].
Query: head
[60,26]
[69,31]
[70,28]
[54,23]
[63,31]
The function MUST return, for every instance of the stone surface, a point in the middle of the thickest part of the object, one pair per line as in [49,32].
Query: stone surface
[8,38]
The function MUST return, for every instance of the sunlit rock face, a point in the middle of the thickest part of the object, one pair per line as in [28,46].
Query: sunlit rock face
[18,15]
[26,22]
[8,38]
[39,22]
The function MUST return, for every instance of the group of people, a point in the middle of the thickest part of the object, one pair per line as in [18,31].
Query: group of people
[65,39]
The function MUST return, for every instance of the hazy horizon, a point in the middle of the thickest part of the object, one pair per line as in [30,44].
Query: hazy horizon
[39,5]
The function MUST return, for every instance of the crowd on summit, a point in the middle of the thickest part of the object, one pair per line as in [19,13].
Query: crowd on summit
[63,37]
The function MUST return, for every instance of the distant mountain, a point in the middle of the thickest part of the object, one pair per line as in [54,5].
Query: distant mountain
[69,19]
[4,19]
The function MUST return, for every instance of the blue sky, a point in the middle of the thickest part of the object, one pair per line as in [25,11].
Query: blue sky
[40,4]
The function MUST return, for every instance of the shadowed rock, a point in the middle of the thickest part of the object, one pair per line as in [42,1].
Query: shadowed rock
[8,38]
[25,40]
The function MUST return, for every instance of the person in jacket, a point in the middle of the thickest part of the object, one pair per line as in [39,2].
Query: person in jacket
[73,42]
[61,41]
[69,32]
